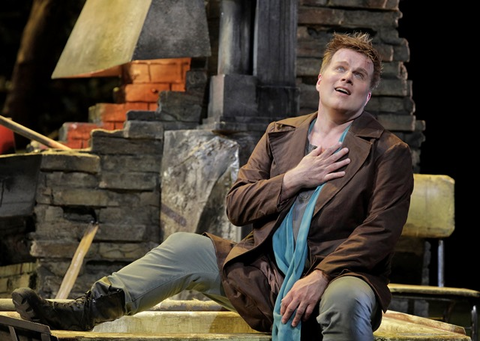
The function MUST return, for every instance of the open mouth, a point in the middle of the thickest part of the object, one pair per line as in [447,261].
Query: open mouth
[343,91]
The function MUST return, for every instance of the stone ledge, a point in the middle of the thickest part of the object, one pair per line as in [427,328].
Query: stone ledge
[206,320]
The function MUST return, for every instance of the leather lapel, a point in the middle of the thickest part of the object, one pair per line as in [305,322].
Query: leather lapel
[359,142]
[288,141]
[289,137]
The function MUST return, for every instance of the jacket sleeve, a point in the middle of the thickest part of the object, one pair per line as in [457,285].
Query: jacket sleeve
[256,193]
[371,243]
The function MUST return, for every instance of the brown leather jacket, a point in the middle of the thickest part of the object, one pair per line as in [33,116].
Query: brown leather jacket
[357,219]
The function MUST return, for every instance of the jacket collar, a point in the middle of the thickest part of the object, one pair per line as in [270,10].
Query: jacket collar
[288,140]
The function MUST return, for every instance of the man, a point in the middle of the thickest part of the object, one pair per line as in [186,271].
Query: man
[327,195]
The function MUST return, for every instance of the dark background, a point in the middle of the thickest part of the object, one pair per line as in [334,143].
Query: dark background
[438,61]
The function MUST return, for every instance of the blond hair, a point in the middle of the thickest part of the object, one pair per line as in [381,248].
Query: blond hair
[359,42]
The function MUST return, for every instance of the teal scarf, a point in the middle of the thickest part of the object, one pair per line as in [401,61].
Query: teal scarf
[290,257]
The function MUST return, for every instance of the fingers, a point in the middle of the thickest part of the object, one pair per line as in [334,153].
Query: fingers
[336,148]
[341,152]
[303,311]
[333,167]
[316,168]
[287,309]
[298,315]
[334,152]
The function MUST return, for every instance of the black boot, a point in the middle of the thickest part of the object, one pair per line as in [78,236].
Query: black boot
[100,304]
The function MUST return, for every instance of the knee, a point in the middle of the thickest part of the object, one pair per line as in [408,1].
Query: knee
[347,297]
[178,236]
[185,243]
[346,308]
[184,238]
[348,294]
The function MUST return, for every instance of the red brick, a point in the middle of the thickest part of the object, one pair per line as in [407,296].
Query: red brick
[147,92]
[110,125]
[111,112]
[169,73]
[136,72]
[136,106]
[169,70]
[76,144]
[152,106]
[178,87]
[77,130]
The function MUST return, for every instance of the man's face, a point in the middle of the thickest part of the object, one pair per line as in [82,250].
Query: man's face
[344,85]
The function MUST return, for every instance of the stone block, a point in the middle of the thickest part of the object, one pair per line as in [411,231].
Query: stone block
[70,161]
[394,122]
[116,144]
[375,19]
[138,181]
[320,16]
[115,232]
[180,106]
[277,102]
[143,115]
[392,87]
[226,325]
[63,229]
[198,169]
[15,276]
[397,106]
[47,213]
[80,197]
[54,248]
[143,130]
[233,96]
[132,216]
[70,179]
[131,163]
[127,252]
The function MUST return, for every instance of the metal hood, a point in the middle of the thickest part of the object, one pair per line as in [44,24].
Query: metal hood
[110,33]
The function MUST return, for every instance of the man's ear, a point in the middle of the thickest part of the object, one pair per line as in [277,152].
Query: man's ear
[368,98]
[318,81]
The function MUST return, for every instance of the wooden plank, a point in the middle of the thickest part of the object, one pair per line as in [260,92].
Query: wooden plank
[30,134]
[435,291]
[77,261]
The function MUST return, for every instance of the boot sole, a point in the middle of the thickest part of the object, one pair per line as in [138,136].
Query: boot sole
[22,306]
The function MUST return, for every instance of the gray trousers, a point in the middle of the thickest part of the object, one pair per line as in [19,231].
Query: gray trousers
[187,261]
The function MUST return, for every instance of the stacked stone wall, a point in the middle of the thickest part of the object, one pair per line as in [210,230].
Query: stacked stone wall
[118,180]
